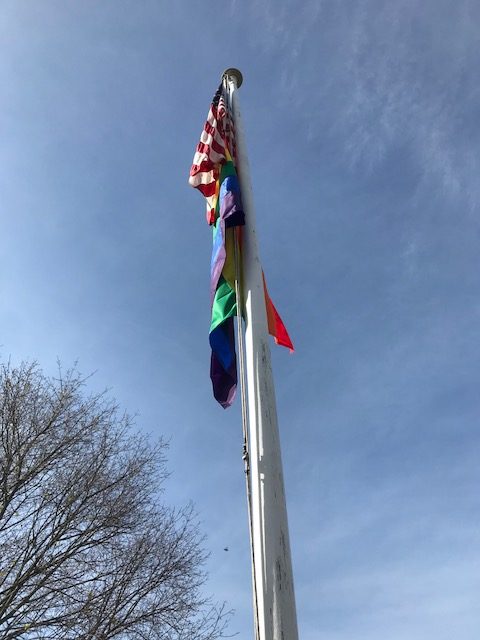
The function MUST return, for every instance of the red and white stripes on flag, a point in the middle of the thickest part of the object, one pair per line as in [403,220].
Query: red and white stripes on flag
[217,141]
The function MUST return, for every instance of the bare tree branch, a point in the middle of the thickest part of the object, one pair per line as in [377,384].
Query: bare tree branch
[87,551]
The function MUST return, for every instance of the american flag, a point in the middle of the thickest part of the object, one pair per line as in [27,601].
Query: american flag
[217,143]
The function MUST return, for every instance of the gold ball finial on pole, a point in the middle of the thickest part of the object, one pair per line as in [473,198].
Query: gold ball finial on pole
[235,73]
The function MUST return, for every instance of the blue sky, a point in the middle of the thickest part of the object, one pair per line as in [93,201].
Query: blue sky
[362,123]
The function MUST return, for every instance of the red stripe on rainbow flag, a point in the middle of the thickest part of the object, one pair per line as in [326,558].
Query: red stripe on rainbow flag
[276,328]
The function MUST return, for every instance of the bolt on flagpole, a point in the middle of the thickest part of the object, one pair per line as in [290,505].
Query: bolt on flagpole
[276,617]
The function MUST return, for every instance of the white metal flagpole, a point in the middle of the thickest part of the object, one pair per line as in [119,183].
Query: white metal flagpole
[272,566]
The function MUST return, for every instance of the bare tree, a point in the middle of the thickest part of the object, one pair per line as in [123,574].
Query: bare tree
[87,550]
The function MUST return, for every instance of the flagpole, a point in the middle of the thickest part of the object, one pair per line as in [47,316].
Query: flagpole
[276,617]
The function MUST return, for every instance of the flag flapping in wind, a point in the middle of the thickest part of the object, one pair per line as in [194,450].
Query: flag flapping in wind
[213,174]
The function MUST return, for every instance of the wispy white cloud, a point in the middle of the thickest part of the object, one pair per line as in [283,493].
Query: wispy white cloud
[377,76]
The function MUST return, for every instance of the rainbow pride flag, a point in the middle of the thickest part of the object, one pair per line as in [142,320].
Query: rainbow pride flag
[229,214]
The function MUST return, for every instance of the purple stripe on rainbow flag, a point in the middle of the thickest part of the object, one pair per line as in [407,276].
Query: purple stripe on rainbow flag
[223,363]
[219,255]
